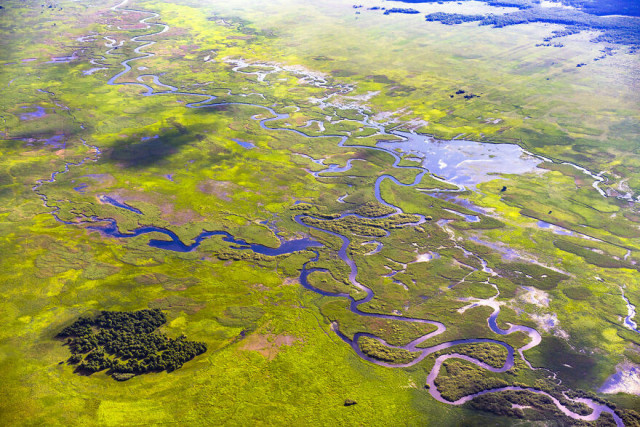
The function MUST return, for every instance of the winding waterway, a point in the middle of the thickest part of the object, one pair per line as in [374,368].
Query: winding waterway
[631,309]
[109,227]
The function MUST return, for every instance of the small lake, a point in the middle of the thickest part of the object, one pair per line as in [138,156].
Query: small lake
[462,162]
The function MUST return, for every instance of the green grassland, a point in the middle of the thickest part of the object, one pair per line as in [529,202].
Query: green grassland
[538,94]
[272,356]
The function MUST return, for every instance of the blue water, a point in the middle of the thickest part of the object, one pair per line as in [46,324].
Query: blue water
[176,245]
[244,144]
[462,162]
[452,198]
[556,229]
[80,188]
[40,112]
[468,218]
[114,202]
[56,141]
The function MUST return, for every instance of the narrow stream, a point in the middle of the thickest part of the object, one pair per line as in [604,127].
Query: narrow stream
[631,309]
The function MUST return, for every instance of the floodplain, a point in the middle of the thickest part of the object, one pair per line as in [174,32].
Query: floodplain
[364,218]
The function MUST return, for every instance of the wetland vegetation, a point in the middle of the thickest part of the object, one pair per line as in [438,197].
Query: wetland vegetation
[335,204]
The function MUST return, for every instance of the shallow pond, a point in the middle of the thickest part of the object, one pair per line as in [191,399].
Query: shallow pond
[466,163]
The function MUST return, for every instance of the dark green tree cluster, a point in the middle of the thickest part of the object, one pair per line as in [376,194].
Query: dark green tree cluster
[593,7]
[375,349]
[126,344]
[492,354]
[621,29]
[609,7]
[452,18]
[409,11]
[520,4]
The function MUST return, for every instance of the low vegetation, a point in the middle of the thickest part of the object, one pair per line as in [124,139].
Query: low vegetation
[377,350]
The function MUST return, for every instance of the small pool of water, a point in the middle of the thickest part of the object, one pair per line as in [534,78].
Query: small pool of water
[39,112]
[554,228]
[244,144]
[468,218]
[81,188]
[113,202]
[465,163]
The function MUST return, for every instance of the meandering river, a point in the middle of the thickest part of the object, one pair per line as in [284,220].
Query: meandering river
[436,156]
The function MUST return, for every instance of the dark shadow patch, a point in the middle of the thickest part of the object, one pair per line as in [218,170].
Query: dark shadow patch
[138,151]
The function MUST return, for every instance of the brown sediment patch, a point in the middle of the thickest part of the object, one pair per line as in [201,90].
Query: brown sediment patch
[129,27]
[262,116]
[101,178]
[300,120]
[415,124]
[625,380]
[31,153]
[268,345]
[175,31]
[580,182]
[291,281]
[174,217]
[260,287]
[179,217]
[147,197]
[189,48]
[219,189]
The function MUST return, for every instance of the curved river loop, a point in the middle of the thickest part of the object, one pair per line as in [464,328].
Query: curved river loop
[174,244]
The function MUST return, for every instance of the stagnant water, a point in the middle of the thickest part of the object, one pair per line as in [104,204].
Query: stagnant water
[465,163]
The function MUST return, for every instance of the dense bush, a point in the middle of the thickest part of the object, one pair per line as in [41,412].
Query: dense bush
[126,344]
[492,354]
[401,10]
[362,226]
[597,7]
[377,350]
[374,210]
[621,30]
[452,18]
[459,379]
